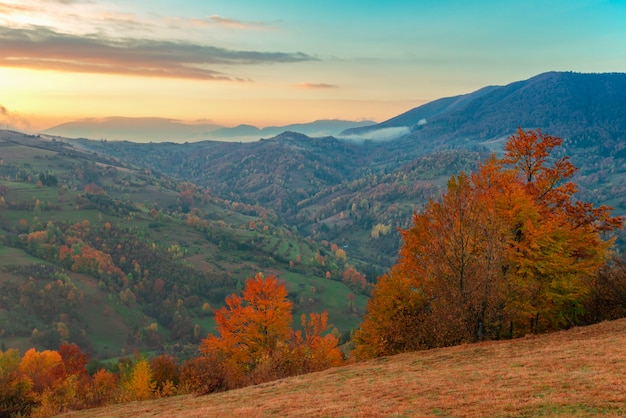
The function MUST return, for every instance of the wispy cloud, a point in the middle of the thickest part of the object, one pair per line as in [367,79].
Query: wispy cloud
[10,9]
[316,86]
[14,121]
[216,20]
[123,21]
[69,1]
[43,48]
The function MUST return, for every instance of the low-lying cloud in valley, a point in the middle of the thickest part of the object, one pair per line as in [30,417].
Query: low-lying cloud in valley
[383,134]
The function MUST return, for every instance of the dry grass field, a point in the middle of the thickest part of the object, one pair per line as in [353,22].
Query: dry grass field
[580,372]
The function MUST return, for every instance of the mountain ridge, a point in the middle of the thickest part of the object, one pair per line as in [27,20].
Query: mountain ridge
[156,129]
[562,103]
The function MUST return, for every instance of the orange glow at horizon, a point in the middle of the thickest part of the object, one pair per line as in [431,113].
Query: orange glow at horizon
[42,99]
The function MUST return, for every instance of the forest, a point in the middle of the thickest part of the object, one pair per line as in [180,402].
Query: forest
[505,250]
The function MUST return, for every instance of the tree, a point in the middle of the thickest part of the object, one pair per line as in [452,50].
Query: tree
[256,343]
[253,326]
[505,251]
[454,253]
[74,361]
[558,245]
[16,397]
[44,368]
[103,387]
[165,371]
[395,318]
[140,384]
[315,350]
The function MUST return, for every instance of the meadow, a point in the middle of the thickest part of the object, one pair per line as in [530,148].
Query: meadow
[579,372]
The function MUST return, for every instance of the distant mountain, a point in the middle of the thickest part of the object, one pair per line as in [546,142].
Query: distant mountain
[318,128]
[133,129]
[587,107]
[159,129]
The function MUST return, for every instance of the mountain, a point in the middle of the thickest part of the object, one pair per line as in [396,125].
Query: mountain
[133,129]
[316,129]
[216,212]
[574,106]
[159,129]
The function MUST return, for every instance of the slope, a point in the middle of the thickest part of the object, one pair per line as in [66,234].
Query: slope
[578,372]
[102,246]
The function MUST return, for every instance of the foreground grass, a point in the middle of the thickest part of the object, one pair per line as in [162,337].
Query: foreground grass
[580,372]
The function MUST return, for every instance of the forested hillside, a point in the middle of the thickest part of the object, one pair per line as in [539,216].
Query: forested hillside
[117,259]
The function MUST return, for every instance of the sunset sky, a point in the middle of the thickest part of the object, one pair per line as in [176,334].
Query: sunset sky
[268,62]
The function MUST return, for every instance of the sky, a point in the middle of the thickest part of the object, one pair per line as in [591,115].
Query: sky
[275,62]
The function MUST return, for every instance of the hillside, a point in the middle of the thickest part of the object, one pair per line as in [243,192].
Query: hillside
[566,104]
[578,372]
[118,259]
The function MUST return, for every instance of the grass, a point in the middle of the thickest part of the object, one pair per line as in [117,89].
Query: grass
[14,256]
[580,372]
[244,254]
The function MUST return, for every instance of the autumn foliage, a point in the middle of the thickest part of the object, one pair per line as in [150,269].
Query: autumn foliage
[256,342]
[506,251]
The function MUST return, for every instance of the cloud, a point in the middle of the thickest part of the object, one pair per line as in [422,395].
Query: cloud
[69,1]
[216,20]
[122,21]
[12,120]
[45,49]
[317,86]
[384,134]
[10,9]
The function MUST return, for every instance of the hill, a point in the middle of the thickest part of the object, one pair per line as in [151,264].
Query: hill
[570,373]
[117,259]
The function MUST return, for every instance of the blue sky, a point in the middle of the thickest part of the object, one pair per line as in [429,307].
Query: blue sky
[278,62]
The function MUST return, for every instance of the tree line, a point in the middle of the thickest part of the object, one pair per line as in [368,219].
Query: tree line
[507,250]
[254,343]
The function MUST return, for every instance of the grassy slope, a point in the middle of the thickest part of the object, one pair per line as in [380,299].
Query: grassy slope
[580,372]
[245,252]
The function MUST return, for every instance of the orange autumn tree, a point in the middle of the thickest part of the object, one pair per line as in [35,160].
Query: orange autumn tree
[256,342]
[314,351]
[252,327]
[507,250]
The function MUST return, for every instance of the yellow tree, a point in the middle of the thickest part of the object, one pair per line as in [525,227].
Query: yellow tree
[140,384]
[558,243]
[16,397]
[395,318]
